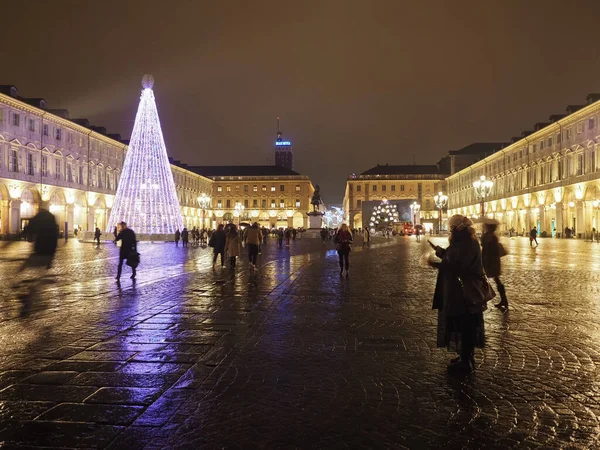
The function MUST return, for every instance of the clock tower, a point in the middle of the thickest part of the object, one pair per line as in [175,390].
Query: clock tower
[284,157]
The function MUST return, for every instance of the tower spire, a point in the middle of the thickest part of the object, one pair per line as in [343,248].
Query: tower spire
[279,134]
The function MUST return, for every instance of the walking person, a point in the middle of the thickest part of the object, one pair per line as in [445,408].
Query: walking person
[459,294]
[185,236]
[115,233]
[127,250]
[491,252]
[418,234]
[280,238]
[97,235]
[343,242]
[217,242]
[366,238]
[177,237]
[533,237]
[233,245]
[253,240]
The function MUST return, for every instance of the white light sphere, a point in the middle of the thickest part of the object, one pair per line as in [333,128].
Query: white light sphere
[148,81]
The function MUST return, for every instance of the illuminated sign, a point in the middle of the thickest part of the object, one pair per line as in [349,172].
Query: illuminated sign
[279,143]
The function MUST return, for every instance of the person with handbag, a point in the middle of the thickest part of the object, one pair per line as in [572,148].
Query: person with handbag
[343,242]
[128,250]
[461,294]
[491,252]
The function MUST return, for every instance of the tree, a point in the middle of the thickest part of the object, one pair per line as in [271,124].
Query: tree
[146,197]
[384,215]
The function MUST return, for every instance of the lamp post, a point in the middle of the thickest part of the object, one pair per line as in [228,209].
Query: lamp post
[239,209]
[440,201]
[204,202]
[415,208]
[483,188]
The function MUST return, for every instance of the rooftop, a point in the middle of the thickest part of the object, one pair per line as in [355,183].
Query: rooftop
[402,170]
[241,171]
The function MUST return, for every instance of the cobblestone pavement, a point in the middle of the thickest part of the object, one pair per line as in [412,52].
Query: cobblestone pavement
[295,356]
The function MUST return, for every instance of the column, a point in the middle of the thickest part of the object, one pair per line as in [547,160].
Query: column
[14,217]
[70,218]
[4,216]
[91,216]
[560,223]
[581,226]
[542,217]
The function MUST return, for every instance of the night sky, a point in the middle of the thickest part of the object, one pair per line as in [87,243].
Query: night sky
[355,83]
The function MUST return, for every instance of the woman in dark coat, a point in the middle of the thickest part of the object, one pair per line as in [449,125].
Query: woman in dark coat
[491,252]
[217,242]
[460,316]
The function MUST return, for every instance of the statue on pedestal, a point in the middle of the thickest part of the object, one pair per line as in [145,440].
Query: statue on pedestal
[316,201]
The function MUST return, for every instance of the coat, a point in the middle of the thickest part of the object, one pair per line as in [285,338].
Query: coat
[253,236]
[490,254]
[128,242]
[185,235]
[217,241]
[233,245]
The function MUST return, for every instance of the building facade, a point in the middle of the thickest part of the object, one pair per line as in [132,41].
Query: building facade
[270,195]
[400,184]
[548,179]
[48,160]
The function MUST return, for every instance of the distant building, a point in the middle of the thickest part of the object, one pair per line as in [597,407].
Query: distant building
[401,185]
[284,157]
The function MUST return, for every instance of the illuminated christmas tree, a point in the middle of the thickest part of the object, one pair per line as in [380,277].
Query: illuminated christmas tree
[146,197]
[384,215]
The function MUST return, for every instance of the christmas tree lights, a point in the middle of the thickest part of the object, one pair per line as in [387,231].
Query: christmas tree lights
[146,197]
[384,215]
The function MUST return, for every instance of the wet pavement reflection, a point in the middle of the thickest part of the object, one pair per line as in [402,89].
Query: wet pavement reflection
[293,355]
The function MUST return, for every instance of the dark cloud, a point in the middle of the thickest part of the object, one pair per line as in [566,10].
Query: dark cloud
[355,83]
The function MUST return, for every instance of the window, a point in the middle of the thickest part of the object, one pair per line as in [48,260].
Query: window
[99,177]
[69,172]
[549,142]
[263,203]
[219,188]
[58,134]
[358,188]
[254,203]
[383,188]
[401,188]
[245,203]
[427,204]
[228,203]
[272,203]
[80,174]
[281,188]
[580,127]
[16,120]
[593,161]
[580,164]
[272,188]
[245,188]
[219,204]
[568,131]
[1,115]
[374,188]
[44,165]
[255,188]
[281,204]
[264,188]
[558,138]
[30,167]
[591,123]
[393,188]
[57,169]
[297,203]
[31,125]
[359,203]
[228,189]
[542,145]
[13,162]
[297,188]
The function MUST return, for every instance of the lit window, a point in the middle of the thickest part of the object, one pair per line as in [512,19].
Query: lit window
[219,188]
[272,203]
[281,204]
[264,188]
[297,203]
[272,188]
[219,204]
[255,188]
[297,188]
[228,188]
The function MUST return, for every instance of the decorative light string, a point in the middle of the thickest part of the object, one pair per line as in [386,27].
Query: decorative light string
[146,196]
[384,215]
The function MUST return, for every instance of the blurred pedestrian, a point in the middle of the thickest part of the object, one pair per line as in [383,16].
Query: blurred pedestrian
[418,234]
[177,237]
[460,293]
[97,235]
[343,243]
[366,238]
[128,250]
[185,236]
[233,245]
[280,237]
[217,242]
[533,237]
[491,252]
[253,240]
[115,233]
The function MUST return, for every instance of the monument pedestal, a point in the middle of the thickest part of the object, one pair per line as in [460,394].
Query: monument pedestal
[315,223]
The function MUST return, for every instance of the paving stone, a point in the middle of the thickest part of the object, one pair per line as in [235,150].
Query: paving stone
[53,377]
[112,379]
[124,395]
[88,412]
[35,392]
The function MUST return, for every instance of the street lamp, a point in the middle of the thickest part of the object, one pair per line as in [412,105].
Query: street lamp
[415,208]
[440,201]
[239,209]
[483,188]
[204,202]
